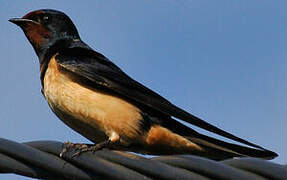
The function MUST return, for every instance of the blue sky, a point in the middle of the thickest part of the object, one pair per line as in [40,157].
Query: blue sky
[224,61]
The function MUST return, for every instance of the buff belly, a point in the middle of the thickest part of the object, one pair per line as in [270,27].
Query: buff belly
[92,113]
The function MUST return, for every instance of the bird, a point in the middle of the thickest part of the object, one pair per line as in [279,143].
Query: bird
[97,99]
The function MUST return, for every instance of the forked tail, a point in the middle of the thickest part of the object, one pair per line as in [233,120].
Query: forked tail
[220,150]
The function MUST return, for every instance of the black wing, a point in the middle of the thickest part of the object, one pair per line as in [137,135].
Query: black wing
[99,71]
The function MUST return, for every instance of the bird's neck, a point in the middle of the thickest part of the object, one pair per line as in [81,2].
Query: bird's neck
[57,46]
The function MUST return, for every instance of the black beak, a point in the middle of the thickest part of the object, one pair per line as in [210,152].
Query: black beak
[20,22]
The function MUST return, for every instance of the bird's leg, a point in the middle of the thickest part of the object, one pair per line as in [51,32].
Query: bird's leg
[111,143]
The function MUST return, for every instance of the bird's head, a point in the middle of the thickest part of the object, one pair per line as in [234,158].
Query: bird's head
[44,28]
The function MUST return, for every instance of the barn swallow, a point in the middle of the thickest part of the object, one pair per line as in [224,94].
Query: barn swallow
[97,99]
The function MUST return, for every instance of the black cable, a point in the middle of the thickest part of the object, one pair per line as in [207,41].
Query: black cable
[40,159]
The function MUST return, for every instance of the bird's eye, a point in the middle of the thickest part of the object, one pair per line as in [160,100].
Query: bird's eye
[46,19]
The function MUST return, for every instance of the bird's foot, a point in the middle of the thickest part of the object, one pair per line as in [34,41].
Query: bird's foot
[93,148]
[81,148]
[67,146]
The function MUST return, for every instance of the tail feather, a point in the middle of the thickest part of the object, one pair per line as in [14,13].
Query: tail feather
[217,149]
[220,150]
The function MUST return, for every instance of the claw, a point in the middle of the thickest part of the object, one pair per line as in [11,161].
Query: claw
[65,148]
[80,151]
[62,152]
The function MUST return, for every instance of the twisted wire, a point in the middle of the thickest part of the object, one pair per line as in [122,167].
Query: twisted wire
[40,159]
